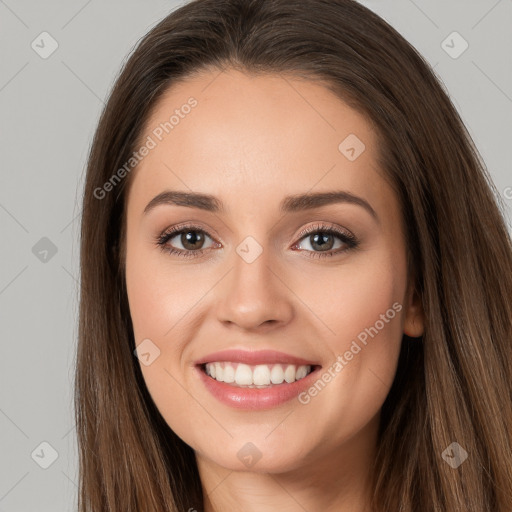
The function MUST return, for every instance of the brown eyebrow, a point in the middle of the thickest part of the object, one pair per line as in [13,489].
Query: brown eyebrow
[289,204]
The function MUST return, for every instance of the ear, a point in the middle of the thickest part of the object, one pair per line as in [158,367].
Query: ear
[414,316]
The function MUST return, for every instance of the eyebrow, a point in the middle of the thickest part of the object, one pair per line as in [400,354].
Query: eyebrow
[289,204]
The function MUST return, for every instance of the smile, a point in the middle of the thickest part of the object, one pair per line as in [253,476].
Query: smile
[255,380]
[256,376]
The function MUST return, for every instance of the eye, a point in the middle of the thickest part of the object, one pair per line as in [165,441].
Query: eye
[191,238]
[321,240]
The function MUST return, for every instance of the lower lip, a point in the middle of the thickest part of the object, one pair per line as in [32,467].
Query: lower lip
[256,398]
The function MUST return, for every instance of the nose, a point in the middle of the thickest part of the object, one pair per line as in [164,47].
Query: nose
[254,295]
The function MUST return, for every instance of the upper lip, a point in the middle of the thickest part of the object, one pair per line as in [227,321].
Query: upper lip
[254,357]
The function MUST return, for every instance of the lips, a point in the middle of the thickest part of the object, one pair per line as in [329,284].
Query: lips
[255,357]
[272,390]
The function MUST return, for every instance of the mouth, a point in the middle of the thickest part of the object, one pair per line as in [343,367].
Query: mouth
[256,380]
[258,376]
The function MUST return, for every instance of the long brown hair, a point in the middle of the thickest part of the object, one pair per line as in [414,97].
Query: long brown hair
[454,384]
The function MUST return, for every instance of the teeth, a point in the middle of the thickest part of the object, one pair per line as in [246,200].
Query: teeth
[219,372]
[289,374]
[229,374]
[261,375]
[302,371]
[277,374]
[243,375]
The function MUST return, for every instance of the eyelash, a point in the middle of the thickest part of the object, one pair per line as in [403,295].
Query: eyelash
[347,238]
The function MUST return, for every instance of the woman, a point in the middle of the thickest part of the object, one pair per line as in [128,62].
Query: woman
[296,278]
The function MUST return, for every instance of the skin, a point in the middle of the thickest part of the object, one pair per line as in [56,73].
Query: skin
[251,141]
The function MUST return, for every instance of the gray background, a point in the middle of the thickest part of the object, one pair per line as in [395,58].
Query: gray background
[49,110]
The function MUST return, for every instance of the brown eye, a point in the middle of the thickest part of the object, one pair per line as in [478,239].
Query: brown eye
[321,241]
[183,241]
[192,240]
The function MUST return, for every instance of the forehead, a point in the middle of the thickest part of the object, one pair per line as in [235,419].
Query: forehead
[244,137]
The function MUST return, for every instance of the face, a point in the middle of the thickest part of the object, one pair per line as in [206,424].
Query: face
[289,253]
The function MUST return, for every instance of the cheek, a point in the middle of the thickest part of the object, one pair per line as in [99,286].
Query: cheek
[160,296]
[160,301]
[348,300]
[165,303]
[360,309]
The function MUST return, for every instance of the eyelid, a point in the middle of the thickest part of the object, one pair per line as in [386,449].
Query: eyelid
[325,227]
[186,226]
